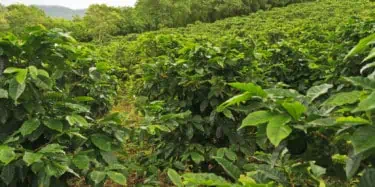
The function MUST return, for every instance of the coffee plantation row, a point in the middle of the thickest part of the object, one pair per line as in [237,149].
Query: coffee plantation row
[283,97]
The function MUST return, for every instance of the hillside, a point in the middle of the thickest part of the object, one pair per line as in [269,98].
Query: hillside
[61,12]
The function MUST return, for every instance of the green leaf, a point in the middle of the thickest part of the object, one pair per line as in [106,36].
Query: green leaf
[295,109]
[52,148]
[29,126]
[368,179]
[97,176]
[30,158]
[11,70]
[196,157]
[7,154]
[370,56]
[175,178]
[81,161]
[117,177]
[77,120]
[33,72]
[316,170]
[204,179]
[54,124]
[343,98]
[257,118]
[361,82]
[363,139]
[316,91]
[102,142]
[109,157]
[367,104]
[361,46]
[21,76]
[229,167]
[367,66]
[234,100]
[277,130]
[8,173]
[230,155]
[352,165]
[43,73]
[352,120]
[16,89]
[3,94]
[323,122]
[250,88]
[43,82]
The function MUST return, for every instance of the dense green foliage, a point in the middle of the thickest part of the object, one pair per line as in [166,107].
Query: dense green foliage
[283,97]
[188,79]
[101,22]
[54,97]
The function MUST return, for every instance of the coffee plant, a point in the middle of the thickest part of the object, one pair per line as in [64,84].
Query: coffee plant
[54,103]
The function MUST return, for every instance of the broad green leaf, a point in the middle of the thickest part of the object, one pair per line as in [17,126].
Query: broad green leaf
[21,76]
[43,82]
[257,118]
[102,142]
[316,170]
[81,161]
[117,177]
[250,88]
[234,100]
[30,158]
[361,46]
[368,178]
[54,124]
[43,73]
[8,173]
[16,89]
[361,82]
[229,167]
[277,130]
[97,176]
[83,99]
[352,165]
[367,66]
[283,93]
[363,139]
[196,157]
[33,72]
[11,70]
[343,98]
[352,120]
[204,179]
[230,155]
[367,104]
[7,154]
[316,91]
[295,109]
[109,157]
[52,148]
[175,178]
[3,94]
[29,126]
[323,122]
[77,120]
[370,56]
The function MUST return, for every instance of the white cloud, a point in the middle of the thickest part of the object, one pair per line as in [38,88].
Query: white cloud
[76,4]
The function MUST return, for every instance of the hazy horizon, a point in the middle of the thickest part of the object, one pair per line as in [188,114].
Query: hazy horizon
[73,4]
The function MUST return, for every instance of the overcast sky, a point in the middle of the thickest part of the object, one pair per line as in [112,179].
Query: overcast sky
[75,4]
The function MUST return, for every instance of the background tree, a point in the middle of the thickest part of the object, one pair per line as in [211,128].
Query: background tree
[20,17]
[102,20]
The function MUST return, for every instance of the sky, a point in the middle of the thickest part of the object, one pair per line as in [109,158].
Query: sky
[74,4]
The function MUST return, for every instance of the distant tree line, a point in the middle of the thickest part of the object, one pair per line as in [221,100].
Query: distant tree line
[102,21]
